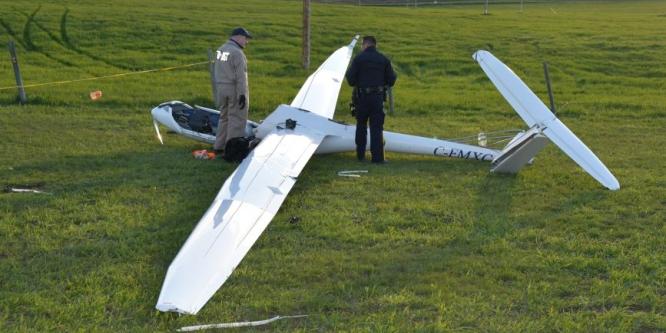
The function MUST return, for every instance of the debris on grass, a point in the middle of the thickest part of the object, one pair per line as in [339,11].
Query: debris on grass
[24,188]
[351,173]
[95,95]
[203,154]
[237,324]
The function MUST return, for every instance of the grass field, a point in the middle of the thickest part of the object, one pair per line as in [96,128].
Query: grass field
[422,244]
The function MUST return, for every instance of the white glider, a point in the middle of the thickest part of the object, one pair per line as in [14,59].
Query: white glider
[252,195]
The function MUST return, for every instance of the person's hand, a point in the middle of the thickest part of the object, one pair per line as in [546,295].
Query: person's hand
[241,101]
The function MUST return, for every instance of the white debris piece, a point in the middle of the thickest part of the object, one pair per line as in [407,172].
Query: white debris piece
[237,324]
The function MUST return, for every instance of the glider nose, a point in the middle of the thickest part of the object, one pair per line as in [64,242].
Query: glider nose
[158,114]
[161,114]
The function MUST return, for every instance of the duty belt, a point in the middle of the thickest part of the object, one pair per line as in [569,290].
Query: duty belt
[372,90]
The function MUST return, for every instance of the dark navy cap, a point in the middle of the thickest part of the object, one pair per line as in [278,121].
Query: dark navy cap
[240,31]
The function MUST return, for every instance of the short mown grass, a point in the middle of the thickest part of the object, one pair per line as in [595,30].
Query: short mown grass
[420,244]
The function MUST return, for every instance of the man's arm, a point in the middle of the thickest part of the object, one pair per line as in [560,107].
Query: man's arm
[240,73]
[389,74]
[352,73]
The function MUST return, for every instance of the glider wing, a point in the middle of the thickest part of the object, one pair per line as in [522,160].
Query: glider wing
[320,91]
[243,208]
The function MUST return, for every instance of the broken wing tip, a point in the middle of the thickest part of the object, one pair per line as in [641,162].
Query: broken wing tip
[352,44]
[157,131]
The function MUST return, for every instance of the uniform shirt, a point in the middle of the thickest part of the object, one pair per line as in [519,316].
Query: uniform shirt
[371,69]
[231,67]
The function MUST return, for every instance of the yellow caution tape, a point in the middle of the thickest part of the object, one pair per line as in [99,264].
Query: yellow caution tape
[105,77]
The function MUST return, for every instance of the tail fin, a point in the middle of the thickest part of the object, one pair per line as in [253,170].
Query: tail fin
[541,121]
[520,151]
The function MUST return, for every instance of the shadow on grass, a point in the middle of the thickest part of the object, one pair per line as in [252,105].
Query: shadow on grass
[101,244]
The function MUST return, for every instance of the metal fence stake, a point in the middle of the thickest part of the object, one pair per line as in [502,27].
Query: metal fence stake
[17,72]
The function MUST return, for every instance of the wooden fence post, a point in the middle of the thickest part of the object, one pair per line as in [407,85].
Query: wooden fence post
[306,34]
[17,73]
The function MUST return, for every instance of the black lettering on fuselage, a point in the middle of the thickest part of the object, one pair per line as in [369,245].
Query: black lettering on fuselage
[459,153]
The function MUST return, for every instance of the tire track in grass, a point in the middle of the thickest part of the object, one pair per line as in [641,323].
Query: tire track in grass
[30,46]
[56,40]
[47,31]
[68,44]
[11,33]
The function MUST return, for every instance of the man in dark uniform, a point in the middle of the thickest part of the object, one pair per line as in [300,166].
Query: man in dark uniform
[371,74]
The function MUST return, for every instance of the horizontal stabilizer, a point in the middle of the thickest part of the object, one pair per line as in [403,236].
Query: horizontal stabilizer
[532,110]
[515,91]
[566,140]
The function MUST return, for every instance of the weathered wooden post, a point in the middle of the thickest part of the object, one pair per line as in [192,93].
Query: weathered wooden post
[17,73]
[306,34]
[211,68]
[550,91]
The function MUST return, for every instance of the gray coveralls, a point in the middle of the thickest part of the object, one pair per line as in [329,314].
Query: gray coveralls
[231,82]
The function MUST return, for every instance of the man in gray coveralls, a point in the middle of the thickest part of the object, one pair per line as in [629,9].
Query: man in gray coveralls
[232,89]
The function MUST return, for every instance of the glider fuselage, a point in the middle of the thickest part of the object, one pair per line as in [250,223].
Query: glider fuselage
[339,137]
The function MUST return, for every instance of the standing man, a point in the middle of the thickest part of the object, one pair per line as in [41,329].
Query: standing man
[371,74]
[233,96]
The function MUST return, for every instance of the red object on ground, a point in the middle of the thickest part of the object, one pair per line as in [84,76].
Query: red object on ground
[203,154]
[95,95]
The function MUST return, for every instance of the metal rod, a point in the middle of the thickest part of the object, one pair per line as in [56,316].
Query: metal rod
[211,69]
[550,90]
[17,73]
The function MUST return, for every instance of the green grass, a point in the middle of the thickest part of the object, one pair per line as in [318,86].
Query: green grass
[422,244]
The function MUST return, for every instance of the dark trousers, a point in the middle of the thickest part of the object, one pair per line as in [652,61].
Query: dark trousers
[370,107]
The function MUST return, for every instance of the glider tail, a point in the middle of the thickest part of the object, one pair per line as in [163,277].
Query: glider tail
[543,126]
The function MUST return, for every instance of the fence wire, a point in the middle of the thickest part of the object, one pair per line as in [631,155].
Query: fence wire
[423,3]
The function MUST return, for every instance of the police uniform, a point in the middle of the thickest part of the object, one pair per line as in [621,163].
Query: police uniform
[370,73]
[231,83]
